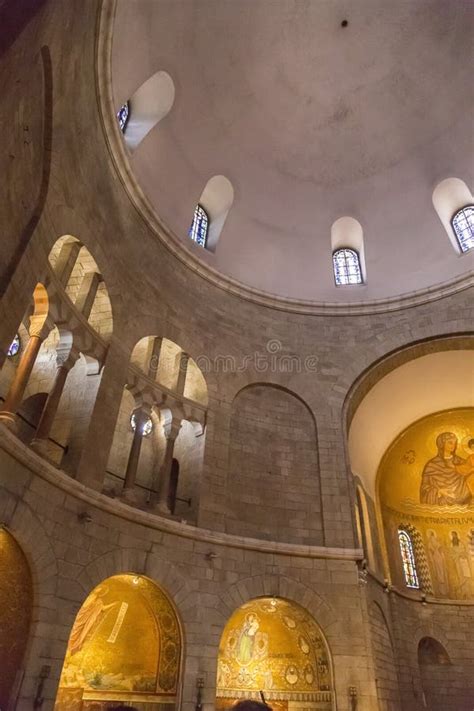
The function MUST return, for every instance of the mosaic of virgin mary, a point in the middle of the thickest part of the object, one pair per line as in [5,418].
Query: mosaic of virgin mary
[444,480]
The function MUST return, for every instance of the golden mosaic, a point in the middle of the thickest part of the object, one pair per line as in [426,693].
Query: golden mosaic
[426,487]
[125,645]
[273,646]
[16,599]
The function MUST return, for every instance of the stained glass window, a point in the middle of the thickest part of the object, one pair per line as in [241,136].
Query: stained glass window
[200,226]
[408,559]
[14,347]
[346,264]
[463,226]
[146,427]
[123,115]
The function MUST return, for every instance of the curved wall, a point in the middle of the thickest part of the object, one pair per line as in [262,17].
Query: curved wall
[236,342]
[273,487]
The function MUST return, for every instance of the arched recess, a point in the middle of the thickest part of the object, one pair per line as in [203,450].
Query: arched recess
[426,487]
[72,318]
[82,281]
[414,383]
[216,199]
[126,645]
[439,678]
[274,645]
[273,487]
[166,389]
[449,197]
[385,666]
[149,105]
[347,233]
[16,605]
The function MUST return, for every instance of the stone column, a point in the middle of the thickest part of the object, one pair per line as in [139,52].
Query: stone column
[65,360]
[87,293]
[67,258]
[39,330]
[100,433]
[171,432]
[183,360]
[134,456]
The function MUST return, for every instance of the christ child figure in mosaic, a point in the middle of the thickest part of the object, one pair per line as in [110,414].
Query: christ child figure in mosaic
[444,478]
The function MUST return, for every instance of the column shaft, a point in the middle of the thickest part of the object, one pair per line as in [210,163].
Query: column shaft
[134,456]
[20,381]
[100,434]
[164,485]
[52,403]
[87,293]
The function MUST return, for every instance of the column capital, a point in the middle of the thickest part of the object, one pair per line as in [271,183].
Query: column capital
[40,327]
[171,429]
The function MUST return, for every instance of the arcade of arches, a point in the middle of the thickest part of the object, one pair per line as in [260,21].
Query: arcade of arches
[223,475]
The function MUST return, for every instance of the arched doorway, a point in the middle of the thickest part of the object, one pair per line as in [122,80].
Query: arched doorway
[125,646]
[274,647]
[16,601]
[439,678]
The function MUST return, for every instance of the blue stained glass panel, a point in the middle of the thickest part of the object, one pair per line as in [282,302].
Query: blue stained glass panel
[200,226]
[463,226]
[123,115]
[346,264]
[14,347]
[408,560]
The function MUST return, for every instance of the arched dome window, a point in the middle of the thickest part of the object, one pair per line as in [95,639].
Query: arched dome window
[149,105]
[346,265]
[463,226]
[122,116]
[454,203]
[408,559]
[348,259]
[200,226]
[211,212]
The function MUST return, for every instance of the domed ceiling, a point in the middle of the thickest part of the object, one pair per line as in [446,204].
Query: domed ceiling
[310,121]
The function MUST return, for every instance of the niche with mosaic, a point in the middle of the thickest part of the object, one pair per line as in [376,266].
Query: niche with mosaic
[426,495]
[125,646]
[274,647]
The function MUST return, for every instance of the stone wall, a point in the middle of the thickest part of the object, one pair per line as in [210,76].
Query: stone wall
[70,554]
[273,481]
[155,289]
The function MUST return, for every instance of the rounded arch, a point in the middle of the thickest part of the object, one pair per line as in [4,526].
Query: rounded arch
[424,490]
[273,467]
[163,360]
[147,106]
[385,667]
[260,630]
[431,651]
[216,200]
[29,533]
[128,622]
[347,234]
[449,196]
[16,610]
[442,683]
[415,380]
[81,279]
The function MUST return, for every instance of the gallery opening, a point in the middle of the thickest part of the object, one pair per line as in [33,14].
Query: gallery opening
[236,355]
